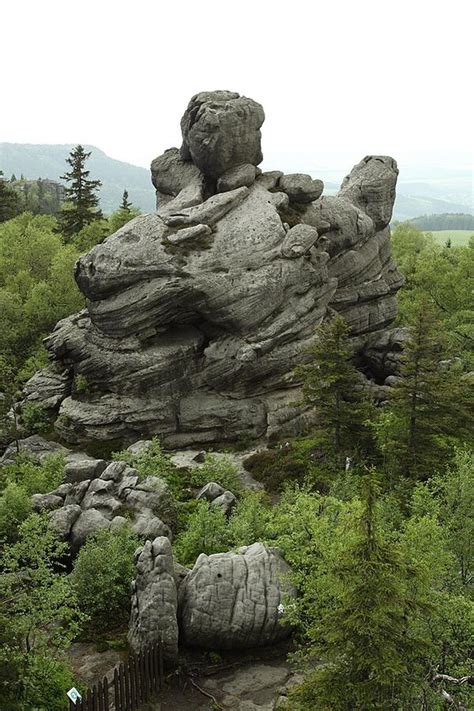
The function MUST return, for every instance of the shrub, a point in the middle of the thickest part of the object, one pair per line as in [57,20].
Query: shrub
[218,469]
[80,384]
[102,575]
[206,533]
[37,478]
[15,506]
[34,418]
[250,519]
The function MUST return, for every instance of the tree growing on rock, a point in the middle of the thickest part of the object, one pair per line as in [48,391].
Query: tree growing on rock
[81,207]
[334,386]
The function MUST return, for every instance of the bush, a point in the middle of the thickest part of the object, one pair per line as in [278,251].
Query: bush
[34,418]
[102,575]
[206,533]
[218,469]
[15,506]
[36,478]
[249,521]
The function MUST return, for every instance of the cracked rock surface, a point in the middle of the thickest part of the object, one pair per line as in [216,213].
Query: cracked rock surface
[231,600]
[198,314]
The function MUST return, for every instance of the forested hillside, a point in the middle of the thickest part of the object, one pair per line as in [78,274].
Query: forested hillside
[47,161]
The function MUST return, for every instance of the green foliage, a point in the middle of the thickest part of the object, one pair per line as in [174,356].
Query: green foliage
[334,387]
[81,384]
[296,460]
[34,418]
[219,469]
[37,286]
[81,207]
[368,638]
[441,275]
[38,618]
[15,507]
[250,519]
[206,533]
[9,201]
[102,575]
[431,405]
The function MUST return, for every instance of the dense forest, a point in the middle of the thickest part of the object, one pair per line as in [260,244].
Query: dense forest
[445,221]
[373,508]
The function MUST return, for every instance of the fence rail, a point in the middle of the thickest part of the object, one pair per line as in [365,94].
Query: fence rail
[135,682]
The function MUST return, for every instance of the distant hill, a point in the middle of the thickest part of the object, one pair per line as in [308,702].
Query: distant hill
[49,161]
[445,221]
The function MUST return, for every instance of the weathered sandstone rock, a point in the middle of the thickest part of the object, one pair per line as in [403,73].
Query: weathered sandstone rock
[199,313]
[232,600]
[155,600]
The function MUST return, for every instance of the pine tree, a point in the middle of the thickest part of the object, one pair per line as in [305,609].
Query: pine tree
[334,386]
[430,400]
[81,206]
[373,657]
[126,205]
[9,201]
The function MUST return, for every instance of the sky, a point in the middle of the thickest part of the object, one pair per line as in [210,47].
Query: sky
[338,80]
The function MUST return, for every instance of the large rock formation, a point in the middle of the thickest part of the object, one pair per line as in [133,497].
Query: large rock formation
[198,314]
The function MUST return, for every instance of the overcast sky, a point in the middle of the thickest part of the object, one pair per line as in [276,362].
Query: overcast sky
[337,80]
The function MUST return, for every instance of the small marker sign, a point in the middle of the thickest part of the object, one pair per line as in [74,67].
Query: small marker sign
[74,695]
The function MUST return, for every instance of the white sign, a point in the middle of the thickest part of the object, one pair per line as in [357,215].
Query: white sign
[74,695]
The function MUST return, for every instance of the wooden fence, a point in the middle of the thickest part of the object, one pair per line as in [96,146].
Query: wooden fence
[134,683]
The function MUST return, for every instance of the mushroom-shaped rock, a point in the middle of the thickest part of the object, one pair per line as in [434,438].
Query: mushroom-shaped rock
[221,130]
[155,600]
[233,600]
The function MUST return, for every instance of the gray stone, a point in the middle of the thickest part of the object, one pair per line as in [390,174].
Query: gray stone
[114,471]
[148,526]
[101,496]
[84,469]
[221,130]
[62,490]
[34,447]
[118,522]
[46,502]
[198,315]
[88,523]
[300,187]
[63,519]
[231,600]
[77,492]
[155,600]
[210,491]
[225,501]
[241,175]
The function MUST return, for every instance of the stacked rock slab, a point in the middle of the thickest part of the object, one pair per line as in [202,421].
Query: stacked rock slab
[198,314]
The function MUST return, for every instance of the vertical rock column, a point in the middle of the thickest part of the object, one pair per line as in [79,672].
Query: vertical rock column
[154,600]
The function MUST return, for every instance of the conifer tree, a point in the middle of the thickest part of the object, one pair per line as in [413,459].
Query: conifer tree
[81,207]
[430,400]
[9,201]
[334,386]
[372,656]
[126,205]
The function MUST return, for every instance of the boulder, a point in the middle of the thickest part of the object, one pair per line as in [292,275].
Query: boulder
[36,448]
[84,469]
[225,501]
[232,600]
[301,188]
[88,523]
[46,502]
[148,526]
[210,491]
[155,600]
[241,175]
[63,519]
[221,130]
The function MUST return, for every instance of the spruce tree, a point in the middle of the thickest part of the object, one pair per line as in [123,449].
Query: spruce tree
[9,201]
[431,401]
[126,205]
[334,386]
[81,206]
[372,655]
